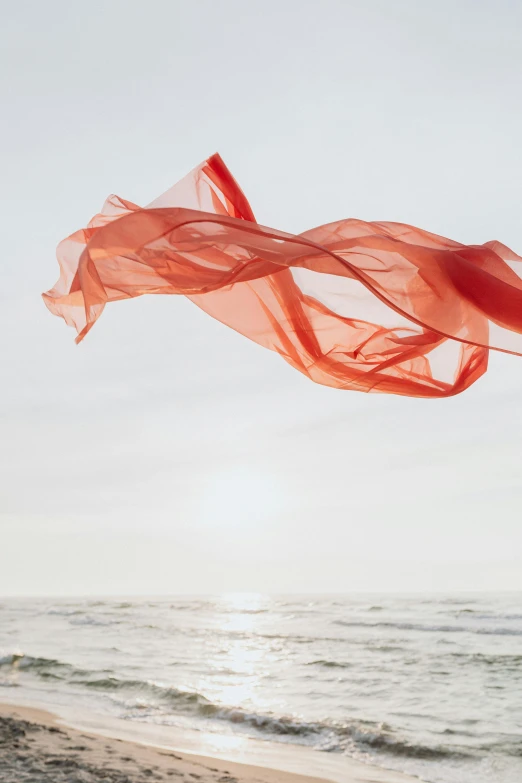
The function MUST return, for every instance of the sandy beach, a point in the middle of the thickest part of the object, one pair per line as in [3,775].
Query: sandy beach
[380,689]
[35,747]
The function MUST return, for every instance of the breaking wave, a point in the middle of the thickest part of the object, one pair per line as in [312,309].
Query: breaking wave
[324,735]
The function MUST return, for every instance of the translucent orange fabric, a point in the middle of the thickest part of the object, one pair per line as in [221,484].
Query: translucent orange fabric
[366,306]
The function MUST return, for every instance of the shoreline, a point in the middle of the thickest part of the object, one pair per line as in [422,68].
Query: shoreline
[66,747]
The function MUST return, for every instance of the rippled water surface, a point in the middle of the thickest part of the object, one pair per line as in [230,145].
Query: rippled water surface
[428,685]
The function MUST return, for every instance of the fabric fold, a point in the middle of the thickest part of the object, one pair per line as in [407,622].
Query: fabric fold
[367,306]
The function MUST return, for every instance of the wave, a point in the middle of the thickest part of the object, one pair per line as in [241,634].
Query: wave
[490,615]
[198,606]
[66,612]
[323,735]
[79,617]
[89,620]
[44,668]
[401,626]
[330,664]
[498,659]
[22,661]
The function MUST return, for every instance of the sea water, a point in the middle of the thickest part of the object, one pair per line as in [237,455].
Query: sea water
[430,685]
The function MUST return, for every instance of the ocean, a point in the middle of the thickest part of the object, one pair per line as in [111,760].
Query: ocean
[430,685]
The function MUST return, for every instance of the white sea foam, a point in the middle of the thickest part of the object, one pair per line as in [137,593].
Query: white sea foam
[431,686]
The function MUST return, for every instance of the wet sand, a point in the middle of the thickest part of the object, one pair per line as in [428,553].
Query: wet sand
[35,747]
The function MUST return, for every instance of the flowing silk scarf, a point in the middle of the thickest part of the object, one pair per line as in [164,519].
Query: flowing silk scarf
[381,307]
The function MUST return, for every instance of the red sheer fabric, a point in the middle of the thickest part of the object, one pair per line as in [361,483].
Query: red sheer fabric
[366,306]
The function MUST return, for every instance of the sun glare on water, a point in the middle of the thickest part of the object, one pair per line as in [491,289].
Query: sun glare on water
[242,661]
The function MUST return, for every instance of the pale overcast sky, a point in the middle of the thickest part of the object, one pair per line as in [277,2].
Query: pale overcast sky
[167,454]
